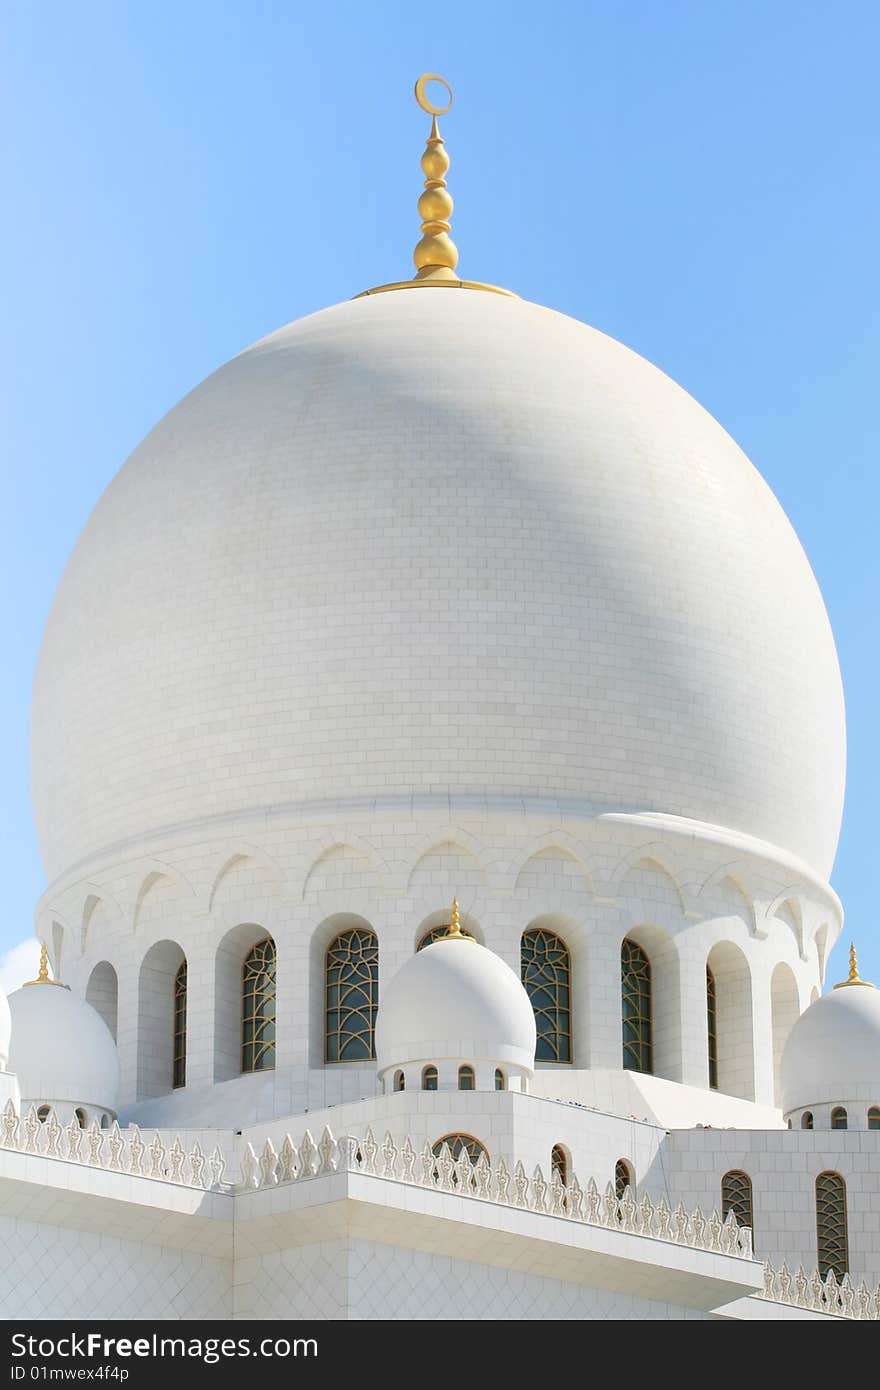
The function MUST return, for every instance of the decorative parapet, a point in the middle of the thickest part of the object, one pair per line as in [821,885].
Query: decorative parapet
[115,1150]
[837,1299]
[498,1184]
[125,1151]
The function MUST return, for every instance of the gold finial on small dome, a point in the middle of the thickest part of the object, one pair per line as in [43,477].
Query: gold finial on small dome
[43,977]
[454,931]
[853,978]
[436,255]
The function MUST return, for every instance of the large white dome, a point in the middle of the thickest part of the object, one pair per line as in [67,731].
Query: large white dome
[437,542]
[62,1050]
[455,999]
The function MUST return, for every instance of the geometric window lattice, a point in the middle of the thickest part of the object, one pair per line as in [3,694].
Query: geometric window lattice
[623,1178]
[874,1117]
[258,1008]
[831,1224]
[736,1196]
[559,1163]
[178,1065]
[712,1021]
[635,984]
[438,934]
[839,1118]
[546,976]
[352,997]
[459,1142]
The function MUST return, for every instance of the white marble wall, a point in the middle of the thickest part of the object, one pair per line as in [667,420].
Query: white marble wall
[67,1273]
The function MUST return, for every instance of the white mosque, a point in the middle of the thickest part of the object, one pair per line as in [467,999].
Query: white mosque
[438,763]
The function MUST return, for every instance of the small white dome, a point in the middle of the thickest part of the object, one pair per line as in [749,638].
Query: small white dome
[5,1031]
[832,1056]
[455,1000]
[61,1050]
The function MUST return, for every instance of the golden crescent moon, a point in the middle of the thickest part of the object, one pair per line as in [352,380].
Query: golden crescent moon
[422,98]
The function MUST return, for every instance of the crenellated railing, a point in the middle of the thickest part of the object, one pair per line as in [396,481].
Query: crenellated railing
[838,1299]
[496,1183]
[126,1151]
[113,1149]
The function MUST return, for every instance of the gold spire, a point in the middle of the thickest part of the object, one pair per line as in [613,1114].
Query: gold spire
[43,977]
[454,931]
[853,978]
[436,255]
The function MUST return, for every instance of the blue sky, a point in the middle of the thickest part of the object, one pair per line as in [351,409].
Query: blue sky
[698,180]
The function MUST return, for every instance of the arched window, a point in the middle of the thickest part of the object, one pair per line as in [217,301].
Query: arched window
[623,1178]
[831,1239]
[80,1118]
[43,1113]
[546,975]
[874,1117]
[635,985]
[429,1078]
[105,1121]
[258,1007]
[466,1080]
[399,1081]
[437,934]
[736,1196]
[459,1142]
[712,1025]
[499,1082]
[807,1120]
[839,1118]
[559,1163]
[178,1068]
[352,997]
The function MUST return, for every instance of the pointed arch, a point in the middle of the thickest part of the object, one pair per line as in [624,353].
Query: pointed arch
[241,867]
[546,977]
[736,1197]
[339,867]
[784,1013]
[232,953]
[735,1043]
[832,1237]
[561,858]
[650,867]
[102,992]
[450,861]
[158,1018]
[786,908]
[351,996]
[162,888]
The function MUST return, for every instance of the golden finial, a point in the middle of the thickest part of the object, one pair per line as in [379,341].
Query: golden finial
[436,255]
[43,977]
[454,931]
[853,978]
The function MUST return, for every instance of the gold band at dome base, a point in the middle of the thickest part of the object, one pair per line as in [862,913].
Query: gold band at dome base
[436,284]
